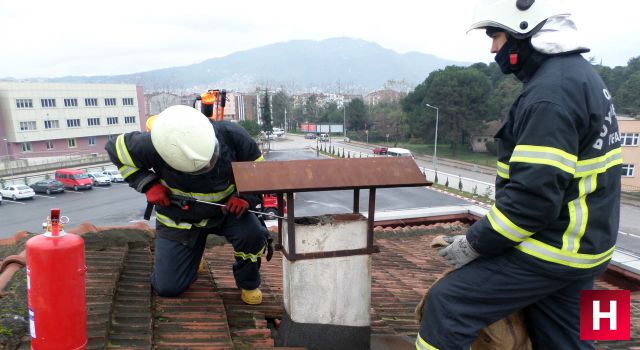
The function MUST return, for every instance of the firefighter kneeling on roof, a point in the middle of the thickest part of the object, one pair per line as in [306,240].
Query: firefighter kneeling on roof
[188,155]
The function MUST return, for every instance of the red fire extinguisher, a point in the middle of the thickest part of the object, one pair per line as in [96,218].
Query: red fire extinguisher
[56,288]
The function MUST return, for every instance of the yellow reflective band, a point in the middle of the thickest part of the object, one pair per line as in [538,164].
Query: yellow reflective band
[545,155]
[167,221]
[503,170]
[599,164]
[578,215]
[549,253]
[123,153]
[207,197]
[249,256]
[260,159]
[501,224]
[423,345]
[127,171]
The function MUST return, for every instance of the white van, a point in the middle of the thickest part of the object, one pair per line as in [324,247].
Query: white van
[399,152]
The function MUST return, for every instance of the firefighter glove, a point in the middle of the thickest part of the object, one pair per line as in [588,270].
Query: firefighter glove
[459,252]
[269,248]
[157,194]
[236,205]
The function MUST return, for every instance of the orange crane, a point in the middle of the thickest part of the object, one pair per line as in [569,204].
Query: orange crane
[212,103]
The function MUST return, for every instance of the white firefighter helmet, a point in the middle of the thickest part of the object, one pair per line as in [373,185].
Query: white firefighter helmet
[185,139]
[521,18]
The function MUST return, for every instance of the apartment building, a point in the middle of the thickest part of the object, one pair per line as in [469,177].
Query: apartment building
[55,119]
[630,141]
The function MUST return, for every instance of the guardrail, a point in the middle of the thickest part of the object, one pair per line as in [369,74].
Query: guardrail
[473,186]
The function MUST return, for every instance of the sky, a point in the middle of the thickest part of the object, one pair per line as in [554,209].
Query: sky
[72,37]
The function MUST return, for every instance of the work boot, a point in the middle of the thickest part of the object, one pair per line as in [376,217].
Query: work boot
[251,297]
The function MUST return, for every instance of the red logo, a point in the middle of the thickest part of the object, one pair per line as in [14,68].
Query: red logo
[605,315]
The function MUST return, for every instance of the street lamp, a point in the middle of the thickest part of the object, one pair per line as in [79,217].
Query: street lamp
[344,123]
[435,142]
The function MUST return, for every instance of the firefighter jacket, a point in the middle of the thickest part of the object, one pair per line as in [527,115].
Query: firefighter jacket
[559,167]
[141,166]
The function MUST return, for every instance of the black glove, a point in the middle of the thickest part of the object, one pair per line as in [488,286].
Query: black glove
[269,248]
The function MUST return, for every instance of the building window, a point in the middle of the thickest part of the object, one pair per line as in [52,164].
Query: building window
[71,102]
[112,120]
[73,123]
[71,143]
[93,121]
[109,101]
[25,126]
[91,102]
[129,120]
[26,147]
[51,124]
[127,101]
[629,139]
[628,170]
[24,103]
[48,102]
[112,137]
[49,145]
[92,140]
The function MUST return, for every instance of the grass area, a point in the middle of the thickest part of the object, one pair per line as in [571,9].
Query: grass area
[477,197]
[445,151]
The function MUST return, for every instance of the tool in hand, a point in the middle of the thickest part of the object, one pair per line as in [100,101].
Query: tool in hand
[184,203]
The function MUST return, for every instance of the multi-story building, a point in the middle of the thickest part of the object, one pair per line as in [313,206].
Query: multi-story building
[630,141]
[383,96]
[55,119]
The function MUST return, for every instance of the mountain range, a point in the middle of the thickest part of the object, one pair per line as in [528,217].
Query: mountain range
[344,65]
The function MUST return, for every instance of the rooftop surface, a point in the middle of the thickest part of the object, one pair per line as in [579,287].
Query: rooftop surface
[123,313]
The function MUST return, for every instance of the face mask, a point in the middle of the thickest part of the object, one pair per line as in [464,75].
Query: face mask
[502,58]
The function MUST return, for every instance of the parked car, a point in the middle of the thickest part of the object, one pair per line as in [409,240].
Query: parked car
[380,150]
[278,131]
[310,135]
[114,175]
[99,179]
[47,186]
[323,138]
[16,192]
[74,178]
[0,198]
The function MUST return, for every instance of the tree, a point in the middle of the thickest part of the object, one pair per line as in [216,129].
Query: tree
[628,97]
[311,109]
[461,94]
[356,115]
[280,103]
[252,127]
[266,112]
[503,96]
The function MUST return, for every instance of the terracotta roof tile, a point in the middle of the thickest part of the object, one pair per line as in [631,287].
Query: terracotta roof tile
[124,313]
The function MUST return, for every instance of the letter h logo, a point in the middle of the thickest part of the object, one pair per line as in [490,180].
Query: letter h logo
[605,315]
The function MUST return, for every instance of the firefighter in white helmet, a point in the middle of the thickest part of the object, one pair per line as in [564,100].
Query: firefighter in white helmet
[554,224]
[188,157]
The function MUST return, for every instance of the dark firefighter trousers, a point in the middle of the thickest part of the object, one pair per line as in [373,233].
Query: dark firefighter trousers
[489,289]
[178,253]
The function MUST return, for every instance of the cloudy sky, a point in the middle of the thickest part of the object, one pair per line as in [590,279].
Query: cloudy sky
[73,37]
